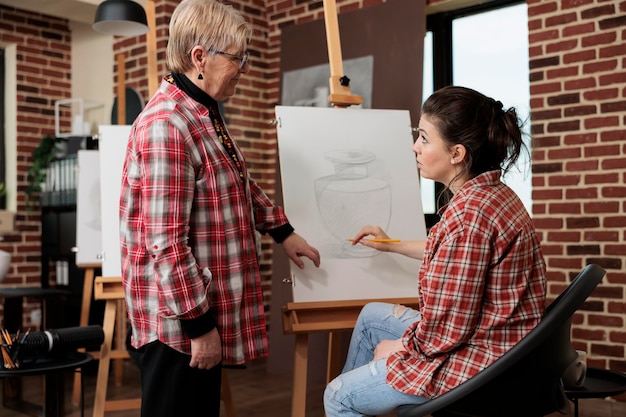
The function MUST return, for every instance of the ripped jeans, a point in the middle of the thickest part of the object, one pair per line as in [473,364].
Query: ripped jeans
[361,389]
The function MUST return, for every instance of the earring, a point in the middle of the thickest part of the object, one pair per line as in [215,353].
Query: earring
[200,77]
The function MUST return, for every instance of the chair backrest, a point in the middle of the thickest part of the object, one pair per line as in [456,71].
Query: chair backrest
[525,381]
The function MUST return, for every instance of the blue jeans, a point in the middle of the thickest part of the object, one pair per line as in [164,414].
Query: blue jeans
[361,389]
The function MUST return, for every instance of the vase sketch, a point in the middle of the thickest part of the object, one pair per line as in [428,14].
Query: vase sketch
[350,199]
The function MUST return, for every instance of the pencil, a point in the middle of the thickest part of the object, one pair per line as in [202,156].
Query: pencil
[379,240]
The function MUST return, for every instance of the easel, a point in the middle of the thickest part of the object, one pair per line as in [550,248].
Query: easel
[84,320]
[110,290]
[340,95]
[333,317]
[88,285]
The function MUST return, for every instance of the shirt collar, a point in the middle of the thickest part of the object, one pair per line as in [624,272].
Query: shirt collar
[486,179]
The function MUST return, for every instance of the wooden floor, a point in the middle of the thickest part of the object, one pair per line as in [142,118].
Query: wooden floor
[256,393]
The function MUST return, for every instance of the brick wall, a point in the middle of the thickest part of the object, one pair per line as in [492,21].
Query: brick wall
[43,76]
[578,111]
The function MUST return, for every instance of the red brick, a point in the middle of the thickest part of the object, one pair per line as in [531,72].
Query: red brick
[607,350]
[605,150]
[603,178]
[600,66]
[613,135]
[580,138]
[580,83]
[598,39]
[584,165]
[581,193]
[564,236]
[564,180]
[614,221]
[618,78]
[541,8]
[601,207]
[601,122]
[582,56]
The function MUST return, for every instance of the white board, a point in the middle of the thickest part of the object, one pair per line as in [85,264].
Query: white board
[342,169]
[88,217]
[112,145]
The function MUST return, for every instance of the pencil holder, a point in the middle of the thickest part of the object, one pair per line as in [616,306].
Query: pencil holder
[10,348]
[20,349]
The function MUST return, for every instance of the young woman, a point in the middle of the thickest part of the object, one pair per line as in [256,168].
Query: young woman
[482,279]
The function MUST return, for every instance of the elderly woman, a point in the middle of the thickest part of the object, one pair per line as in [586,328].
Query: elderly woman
[190,213]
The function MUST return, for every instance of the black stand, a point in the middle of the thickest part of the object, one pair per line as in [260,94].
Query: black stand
[52,368]
[599,383]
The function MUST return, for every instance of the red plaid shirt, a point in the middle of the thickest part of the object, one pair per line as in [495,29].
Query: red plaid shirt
[482,289]
[188,226]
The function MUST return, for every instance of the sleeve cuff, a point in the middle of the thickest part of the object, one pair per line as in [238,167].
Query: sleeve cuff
[199,326]
[281,233]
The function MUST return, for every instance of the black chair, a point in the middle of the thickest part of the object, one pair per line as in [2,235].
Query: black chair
[525,381]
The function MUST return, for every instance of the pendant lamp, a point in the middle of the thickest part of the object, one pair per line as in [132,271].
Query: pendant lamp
[120,18]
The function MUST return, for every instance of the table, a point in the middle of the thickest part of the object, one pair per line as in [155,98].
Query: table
[53,369]
[13,302]
[599,383]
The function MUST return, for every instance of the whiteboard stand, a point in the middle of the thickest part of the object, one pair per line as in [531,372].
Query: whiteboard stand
[333,317]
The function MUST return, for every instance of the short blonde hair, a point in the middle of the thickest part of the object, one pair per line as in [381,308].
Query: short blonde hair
[207,23]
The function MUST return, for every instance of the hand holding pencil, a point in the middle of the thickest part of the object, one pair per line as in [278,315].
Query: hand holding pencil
[376,238]
[379,240]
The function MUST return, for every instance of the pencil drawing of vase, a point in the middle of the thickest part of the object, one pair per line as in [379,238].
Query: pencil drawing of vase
[350,199]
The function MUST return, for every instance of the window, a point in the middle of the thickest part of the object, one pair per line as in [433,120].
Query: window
[483,47]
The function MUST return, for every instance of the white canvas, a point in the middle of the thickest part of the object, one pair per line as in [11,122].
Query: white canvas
[112,146]
[342,169]
[88,217]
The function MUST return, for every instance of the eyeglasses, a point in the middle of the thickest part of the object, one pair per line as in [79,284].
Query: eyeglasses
[243,59]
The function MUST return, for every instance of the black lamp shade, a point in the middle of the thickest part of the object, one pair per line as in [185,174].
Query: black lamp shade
[120,18]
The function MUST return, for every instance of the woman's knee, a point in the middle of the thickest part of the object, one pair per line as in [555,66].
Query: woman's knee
[375,310]
[331,402]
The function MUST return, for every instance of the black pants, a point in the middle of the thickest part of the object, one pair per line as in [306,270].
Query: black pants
[171,388]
